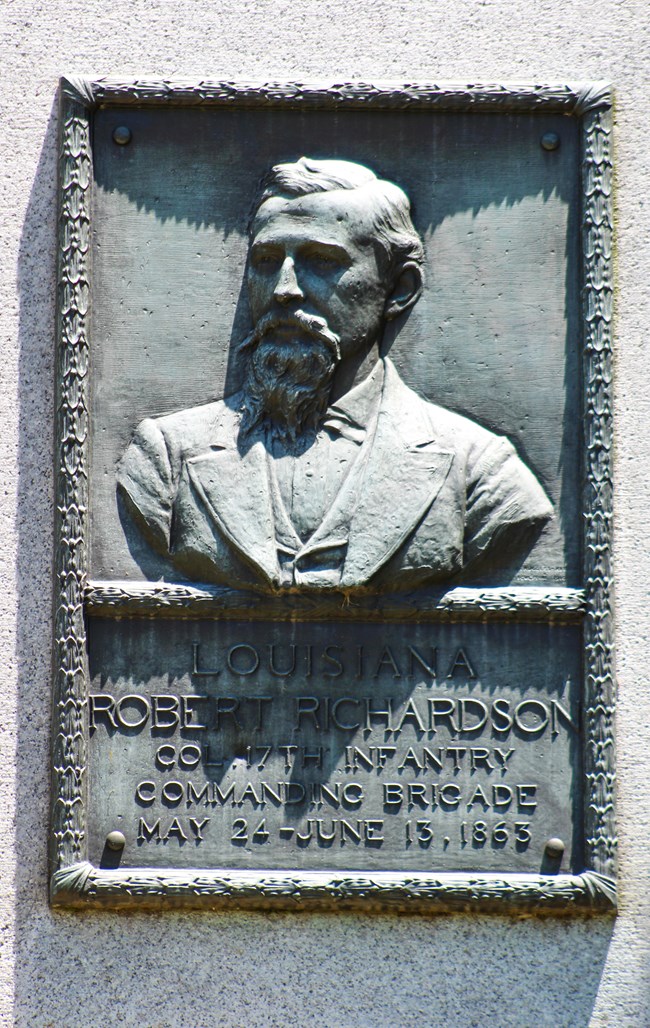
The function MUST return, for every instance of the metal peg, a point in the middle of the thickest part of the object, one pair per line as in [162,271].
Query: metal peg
[554,849]
[115,841]
[122,135]
[550,141]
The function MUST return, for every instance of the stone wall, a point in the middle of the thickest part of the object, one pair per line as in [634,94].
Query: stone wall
[232,969]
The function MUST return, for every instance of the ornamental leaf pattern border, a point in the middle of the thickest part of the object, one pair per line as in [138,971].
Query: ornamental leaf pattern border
[74,881]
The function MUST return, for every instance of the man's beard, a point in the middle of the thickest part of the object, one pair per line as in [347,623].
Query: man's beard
[289,379]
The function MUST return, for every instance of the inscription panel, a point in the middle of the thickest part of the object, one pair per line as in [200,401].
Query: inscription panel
[447,747]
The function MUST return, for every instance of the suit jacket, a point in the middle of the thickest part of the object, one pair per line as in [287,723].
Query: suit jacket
[428,493]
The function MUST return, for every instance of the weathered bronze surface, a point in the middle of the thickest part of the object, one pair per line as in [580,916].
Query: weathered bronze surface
[347,640]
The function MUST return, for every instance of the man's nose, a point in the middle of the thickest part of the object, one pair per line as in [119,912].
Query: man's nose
[286,287]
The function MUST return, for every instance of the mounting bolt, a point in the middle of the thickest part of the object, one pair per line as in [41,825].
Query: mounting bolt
[115,841]
[122,135]
[554,849]
[549,141]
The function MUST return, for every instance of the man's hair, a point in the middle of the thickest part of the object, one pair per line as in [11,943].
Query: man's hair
[389,206]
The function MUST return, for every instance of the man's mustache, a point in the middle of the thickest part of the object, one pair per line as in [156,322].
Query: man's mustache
[308,324]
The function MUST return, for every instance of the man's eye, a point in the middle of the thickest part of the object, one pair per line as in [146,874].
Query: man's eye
[324,260]
[266,260]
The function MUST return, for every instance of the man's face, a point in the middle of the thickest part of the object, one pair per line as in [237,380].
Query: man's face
[316,254]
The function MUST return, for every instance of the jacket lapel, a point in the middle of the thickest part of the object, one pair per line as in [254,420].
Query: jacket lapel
[403,474]
[234,489]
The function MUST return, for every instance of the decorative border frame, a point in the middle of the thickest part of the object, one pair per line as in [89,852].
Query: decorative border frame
[76,882]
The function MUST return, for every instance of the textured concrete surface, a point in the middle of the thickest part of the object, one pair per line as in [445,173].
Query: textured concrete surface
[87,970]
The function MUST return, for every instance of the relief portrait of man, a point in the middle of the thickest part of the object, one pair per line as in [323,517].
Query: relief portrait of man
[326,471]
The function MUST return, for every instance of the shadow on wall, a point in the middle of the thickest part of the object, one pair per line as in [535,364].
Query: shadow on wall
[186,970]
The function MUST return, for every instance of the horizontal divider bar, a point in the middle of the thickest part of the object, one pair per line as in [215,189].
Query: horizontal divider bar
[118,599]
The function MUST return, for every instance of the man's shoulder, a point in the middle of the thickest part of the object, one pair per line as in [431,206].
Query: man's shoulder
[448,428]
[459,429]
[186,432]
[504,490]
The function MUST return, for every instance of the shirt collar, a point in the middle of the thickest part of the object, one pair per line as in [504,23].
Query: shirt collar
[351,415]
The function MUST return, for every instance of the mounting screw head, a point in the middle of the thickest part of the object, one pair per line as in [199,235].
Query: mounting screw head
[550,141]
[115,841]
[122,135]
[554,849]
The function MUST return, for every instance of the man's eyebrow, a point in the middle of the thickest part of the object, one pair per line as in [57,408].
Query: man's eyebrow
[258,244]
[325,244]
[331,245]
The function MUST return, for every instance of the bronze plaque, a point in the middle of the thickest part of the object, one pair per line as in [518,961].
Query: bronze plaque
[333,614]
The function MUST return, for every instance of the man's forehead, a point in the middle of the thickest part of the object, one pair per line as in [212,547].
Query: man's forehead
[342,208]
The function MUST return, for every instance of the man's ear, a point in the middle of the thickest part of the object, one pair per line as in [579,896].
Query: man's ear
[406,290]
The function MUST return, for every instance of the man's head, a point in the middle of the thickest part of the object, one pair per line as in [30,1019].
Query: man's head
[333,256]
